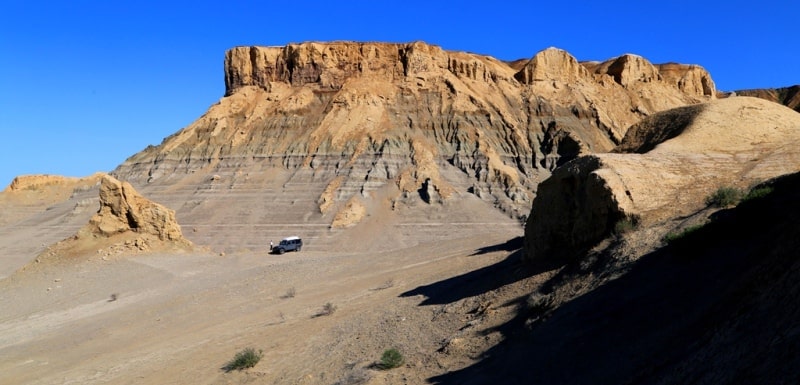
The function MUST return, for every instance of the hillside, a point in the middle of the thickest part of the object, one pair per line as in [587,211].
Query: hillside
[716,306]
[788,96]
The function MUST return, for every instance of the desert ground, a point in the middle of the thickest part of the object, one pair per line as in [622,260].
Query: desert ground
[167,318]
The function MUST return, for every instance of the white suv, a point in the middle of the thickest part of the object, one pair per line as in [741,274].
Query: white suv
[288,244]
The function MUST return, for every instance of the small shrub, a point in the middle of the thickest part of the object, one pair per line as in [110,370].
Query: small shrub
[391,359]
[356,377]
[246,358]
[290,293]
[625,225]
[539,302]
[327,309]
[758,192]
[674,236]
[389,283]
[725,197]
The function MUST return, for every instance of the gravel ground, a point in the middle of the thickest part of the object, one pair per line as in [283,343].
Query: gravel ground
[161,318]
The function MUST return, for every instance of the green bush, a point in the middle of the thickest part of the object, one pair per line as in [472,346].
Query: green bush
[246,358]
[674,236]
[725,197]
[625,225]
[391,359]
[758,192]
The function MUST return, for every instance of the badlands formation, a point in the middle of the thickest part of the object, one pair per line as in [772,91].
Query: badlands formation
[409,171]
[329,136]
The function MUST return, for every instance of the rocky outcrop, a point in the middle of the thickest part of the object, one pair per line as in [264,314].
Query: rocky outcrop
[552,64]
[123,210]
[628,69]
[125,223]
[665,168]
[364,119]
[691,79]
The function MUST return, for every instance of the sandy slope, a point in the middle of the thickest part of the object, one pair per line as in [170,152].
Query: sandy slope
[179,319]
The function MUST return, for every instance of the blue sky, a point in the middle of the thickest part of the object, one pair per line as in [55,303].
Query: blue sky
[86,84]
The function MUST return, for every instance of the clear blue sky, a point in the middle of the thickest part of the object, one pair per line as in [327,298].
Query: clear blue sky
[86,84]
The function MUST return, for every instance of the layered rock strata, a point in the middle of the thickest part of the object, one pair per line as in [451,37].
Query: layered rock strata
[413,118]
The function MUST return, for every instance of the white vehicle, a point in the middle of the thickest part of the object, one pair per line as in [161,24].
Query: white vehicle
[288,244]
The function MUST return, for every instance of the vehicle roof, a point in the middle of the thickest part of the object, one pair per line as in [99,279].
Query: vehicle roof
[290,238]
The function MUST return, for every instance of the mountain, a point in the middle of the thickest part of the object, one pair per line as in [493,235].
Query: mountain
[328,136]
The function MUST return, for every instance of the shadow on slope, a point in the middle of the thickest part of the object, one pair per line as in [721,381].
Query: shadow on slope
[658,128]
[510,245]
[719,306]
[482,280]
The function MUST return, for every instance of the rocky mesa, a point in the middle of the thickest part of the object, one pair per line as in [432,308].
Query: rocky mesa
[396,125]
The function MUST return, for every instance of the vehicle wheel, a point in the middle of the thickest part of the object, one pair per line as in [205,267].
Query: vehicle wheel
[280,251]
[298,248]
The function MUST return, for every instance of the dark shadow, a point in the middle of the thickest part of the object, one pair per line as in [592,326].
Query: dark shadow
[658,128]
[423,191]
[510,245]
[479,281]
[717,307]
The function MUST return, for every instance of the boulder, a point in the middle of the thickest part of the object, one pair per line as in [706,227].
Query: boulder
[123,210]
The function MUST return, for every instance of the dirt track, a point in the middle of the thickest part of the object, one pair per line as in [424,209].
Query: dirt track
[178,319]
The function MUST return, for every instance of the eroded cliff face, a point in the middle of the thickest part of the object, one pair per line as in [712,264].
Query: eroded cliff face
[423,123]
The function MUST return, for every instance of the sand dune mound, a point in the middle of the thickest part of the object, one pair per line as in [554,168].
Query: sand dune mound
[680,158]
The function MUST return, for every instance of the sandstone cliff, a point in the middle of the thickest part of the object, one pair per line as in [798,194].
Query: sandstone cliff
[359,118]
[664,168]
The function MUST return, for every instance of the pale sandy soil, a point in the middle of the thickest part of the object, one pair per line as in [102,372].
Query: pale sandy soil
[178,319]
